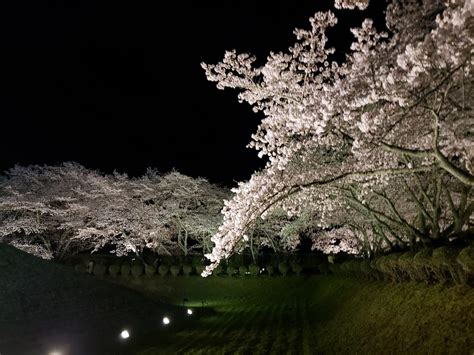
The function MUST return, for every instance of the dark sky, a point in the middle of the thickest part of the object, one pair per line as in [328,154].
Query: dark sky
[118,84]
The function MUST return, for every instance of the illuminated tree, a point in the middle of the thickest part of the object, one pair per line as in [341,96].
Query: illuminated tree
[397,110]
[62,210]
[41,207]
[188,207]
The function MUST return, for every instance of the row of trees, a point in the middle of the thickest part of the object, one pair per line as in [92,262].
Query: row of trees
[376,152]
[58,211]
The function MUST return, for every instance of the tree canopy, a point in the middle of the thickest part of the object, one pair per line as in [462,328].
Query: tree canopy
[379,147]
[57,211]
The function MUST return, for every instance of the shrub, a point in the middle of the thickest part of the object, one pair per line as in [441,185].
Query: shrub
[243,270]
[254,269]
[366,269]
[466,260]
[373,265]
[381,264]
[349,267]
[422,264]
[80,268]
[445,266]
[405,265]
[272,260]
[137,270]
[354,267]
[100,269]
[217,270]
[175,269]
[199,269]
[197,260]
[376,274]
[150,270]
[114,270]
[309,262]
[324,268]
[236,260]
[392,266]
[167,260]
[283,268]
[187,269]
[296,268]
[125,270]
[344,268]
[231,270]
[327,268]
[163,269]
[270,269]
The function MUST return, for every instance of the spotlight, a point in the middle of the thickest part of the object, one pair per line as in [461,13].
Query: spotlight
[55,352]
[189,311]
[125,334]
[166,320]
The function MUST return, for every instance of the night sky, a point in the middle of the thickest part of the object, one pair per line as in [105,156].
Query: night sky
[117,85]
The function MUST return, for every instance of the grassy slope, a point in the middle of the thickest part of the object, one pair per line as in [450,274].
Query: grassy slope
[44,305]
[319,315]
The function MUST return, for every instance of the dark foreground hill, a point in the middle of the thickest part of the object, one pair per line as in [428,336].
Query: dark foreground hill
[46,307]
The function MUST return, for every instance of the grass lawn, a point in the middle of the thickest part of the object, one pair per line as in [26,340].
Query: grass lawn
[45,306]
[312,315]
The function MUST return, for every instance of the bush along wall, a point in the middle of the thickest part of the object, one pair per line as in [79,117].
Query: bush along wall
[122,267]
[268,265]
[442,264]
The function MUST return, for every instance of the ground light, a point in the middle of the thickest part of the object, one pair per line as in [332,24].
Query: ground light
[189,311]
[166,320]
[125,334]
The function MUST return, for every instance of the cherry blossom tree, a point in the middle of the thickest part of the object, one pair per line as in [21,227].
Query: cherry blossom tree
[40,204]
[188,207]
[125,219]
[398,108]
[337,240]
[279,232]
[57,211]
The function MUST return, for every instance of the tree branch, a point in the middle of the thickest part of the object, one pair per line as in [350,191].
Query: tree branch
[406,151]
